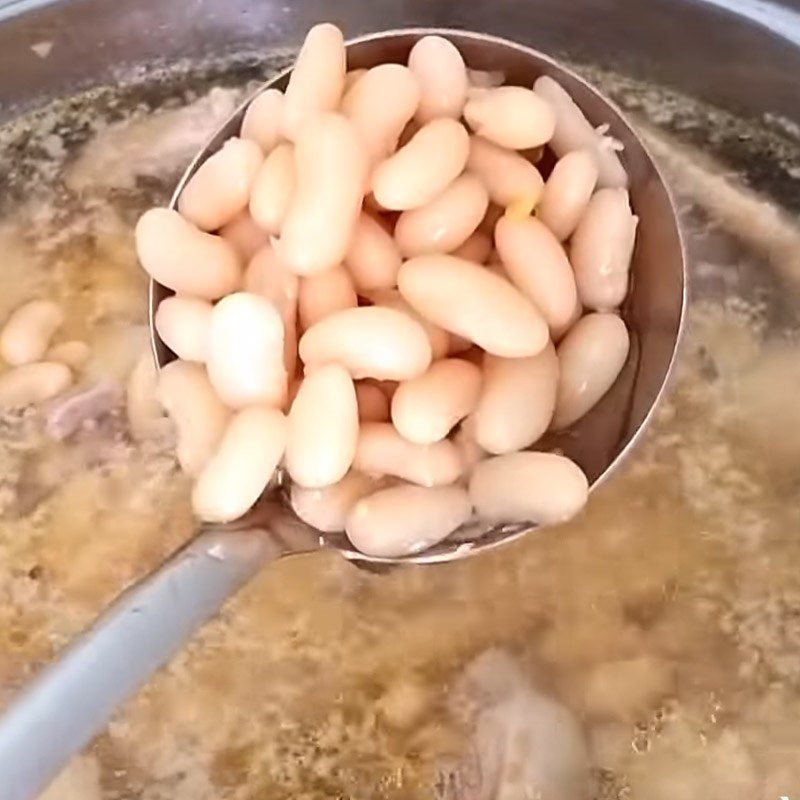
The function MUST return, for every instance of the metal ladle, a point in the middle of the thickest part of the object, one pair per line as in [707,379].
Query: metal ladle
[71,699]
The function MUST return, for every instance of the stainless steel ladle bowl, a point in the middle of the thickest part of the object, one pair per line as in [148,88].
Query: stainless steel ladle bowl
[71,699]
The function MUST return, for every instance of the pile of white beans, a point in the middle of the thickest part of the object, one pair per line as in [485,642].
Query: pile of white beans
[376,290]
[38,369]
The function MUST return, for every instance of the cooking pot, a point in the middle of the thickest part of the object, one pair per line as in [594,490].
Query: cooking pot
[663,624]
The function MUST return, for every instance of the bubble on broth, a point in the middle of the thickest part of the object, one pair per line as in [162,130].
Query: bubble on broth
[320,680]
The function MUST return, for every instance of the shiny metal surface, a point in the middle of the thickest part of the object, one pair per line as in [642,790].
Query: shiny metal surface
[653,311]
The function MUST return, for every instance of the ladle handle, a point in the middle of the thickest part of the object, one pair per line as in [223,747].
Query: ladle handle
[55,715]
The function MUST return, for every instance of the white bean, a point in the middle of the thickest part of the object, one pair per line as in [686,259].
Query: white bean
[242,466]
[442,77]
[507,176]
[560,331]
[262,120]
[244,235]
[317,80]
[73,353]
[567,192]
[470,451]
[352,77]
[485,79]
[323,428]
[468,300]
[446,222]
[372,257]
[220,189]
[184,259]
[511,116]
[183,324]
[540,488]
[517,401]
[32,383]
[145,413]
[601,249]
[383,451]
[330,170]
[477,248]
[574,132]
[404,520]
[326,509]
[427,408]
[28,331]
[268,276]
[245,351]
[323,294]
[537,264]
[370,342]
[424,167]
[591,357]
[380,105]
[438,337]
[197,412]
[373,405]
[273,187]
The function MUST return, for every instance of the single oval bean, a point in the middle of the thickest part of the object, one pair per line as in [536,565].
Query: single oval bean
[370,342]
[517,401]
[33,383]
[511,116]
[477,248]
[372,257]
[326,508]
[541,488]
[591,357]
[188,261]
[244,235]
[601,249]
[442,77]
[507,176]
[468,300]
[145,413]
[323,428]
[323,294]
[28,331]
[382,450]
[330,170]
[404,520]
[243,465]
[73,353]
[317,80]
[199,416]
[183,324]
[268,276]
[427,408]
[446,222]
[574,132]
[567,192]
[262,120]
[373,405]
[433,158]
[220,189]
[537,264]
[438,337]
[245,351]
[272,188]
[380,105]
